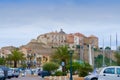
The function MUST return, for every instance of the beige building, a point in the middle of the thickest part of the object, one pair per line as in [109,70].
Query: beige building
[36,53]
[93,40]
[53,39]
[4,51]
[39,50]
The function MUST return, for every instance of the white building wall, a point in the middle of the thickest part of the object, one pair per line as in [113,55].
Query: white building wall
[76,40]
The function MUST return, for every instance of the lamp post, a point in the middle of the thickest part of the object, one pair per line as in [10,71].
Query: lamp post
[29,61]
[71,52]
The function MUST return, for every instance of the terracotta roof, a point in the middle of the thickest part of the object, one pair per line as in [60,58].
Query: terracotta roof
[79,34]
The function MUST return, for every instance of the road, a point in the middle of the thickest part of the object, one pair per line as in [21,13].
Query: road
[27,78]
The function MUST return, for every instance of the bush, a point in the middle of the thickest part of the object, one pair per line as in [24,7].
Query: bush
[80,69]
[75,67]
[58,73]
[85,69]
[50,66]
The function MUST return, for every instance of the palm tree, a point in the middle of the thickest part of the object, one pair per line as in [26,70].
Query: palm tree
[16,56]
[61,55]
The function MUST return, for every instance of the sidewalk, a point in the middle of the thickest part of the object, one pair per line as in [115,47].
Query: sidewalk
[75,77]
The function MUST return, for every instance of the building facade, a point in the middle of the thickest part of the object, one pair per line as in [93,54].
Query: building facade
[38,51]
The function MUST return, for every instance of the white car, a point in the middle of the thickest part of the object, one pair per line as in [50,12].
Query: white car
[110,73]
[15,72]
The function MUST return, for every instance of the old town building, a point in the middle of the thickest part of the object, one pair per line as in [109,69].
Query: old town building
[38,50]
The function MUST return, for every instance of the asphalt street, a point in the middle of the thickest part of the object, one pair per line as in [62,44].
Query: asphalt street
[27,78]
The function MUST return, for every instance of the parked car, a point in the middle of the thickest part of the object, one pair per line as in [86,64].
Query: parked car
[34,71]
[23,73]
[43,73]
[5,69]
[110,73]
[28,71]
[106,73]
[2,76]
[9,74]
[92,76]
[15,72]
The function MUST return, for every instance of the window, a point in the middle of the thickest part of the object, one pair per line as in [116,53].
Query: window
[109,71]
[118,70]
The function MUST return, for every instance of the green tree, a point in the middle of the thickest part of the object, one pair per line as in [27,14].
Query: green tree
[84,69]
[99,61]
[75,67]
[50,66]
[80,68]
[2,61]
[61,55]
[117,56]
[16,56]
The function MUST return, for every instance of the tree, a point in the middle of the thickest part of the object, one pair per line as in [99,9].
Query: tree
[50,66]
[84,69]
[80,68]
[117,55]
[107,48]
[99,61]
[16,56]
[2,61]
[75,67]
[61,55]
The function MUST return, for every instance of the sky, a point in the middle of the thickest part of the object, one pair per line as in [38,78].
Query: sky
[23,20]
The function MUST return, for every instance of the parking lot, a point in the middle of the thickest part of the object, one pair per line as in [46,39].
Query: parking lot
[27,78]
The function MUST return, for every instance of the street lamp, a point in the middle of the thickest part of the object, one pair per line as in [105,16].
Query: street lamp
[71,52]
[29,60]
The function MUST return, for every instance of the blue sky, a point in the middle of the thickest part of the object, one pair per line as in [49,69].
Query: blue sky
[23,20]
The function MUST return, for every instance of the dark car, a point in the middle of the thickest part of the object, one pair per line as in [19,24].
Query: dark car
[43,73]
[5,69]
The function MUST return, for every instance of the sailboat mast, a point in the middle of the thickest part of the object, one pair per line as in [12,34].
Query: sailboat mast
[110,49]
[103,55]
[116,43]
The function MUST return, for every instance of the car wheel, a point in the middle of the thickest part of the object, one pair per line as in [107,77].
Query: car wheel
[94,79]
[16,76]
[4,79]
[9,77]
